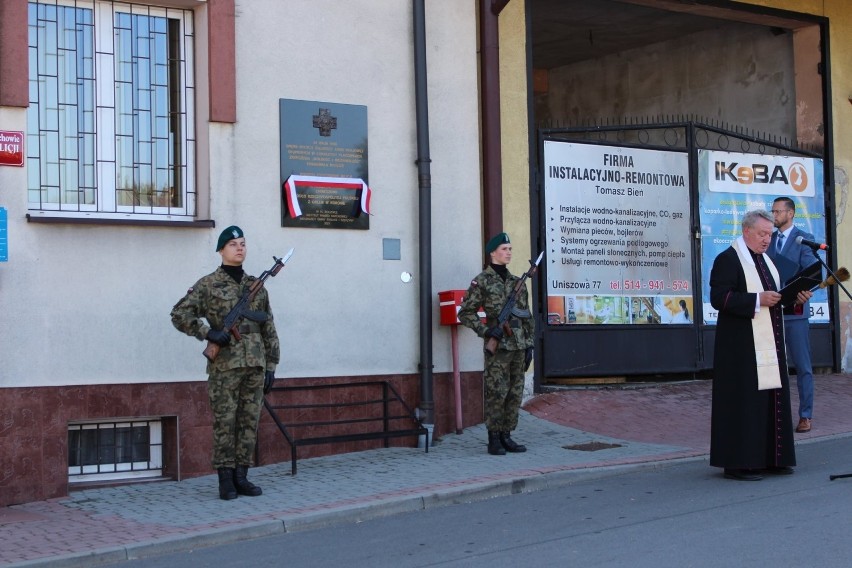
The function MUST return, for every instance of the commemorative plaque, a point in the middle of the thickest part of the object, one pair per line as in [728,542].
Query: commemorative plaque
[324,165]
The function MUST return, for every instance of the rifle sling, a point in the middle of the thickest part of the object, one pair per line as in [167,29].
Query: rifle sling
[519,313]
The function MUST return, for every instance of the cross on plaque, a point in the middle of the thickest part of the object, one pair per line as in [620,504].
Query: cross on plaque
[325,122]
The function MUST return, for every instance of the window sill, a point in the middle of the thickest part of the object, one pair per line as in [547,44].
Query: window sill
[199,224]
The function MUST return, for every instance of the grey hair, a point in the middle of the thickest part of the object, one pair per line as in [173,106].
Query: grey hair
[750,218]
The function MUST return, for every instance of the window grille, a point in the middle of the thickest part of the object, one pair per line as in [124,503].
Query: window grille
[104,451]
[110,123]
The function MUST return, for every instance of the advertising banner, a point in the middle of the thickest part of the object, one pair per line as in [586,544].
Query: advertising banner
[618,235]
[730,184]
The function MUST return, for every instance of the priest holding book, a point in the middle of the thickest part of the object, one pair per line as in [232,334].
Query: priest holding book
[751,430]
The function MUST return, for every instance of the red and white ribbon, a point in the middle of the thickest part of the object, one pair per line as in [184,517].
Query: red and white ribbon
[295,181]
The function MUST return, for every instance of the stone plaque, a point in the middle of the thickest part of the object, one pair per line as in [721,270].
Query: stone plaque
[323,165]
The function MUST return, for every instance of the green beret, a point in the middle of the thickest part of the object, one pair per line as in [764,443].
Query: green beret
[232,232]
[496,241]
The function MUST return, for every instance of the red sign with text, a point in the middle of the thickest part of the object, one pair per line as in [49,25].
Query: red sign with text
[11,148]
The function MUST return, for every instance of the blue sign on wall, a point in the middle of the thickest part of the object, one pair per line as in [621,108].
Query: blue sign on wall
[4,241]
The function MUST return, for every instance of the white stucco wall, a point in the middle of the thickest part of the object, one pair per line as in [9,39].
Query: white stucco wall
[86,304]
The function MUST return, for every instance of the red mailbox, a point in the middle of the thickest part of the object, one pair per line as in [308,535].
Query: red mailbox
[450,302]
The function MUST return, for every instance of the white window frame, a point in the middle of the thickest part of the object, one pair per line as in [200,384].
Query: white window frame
[106,206]
[121,470]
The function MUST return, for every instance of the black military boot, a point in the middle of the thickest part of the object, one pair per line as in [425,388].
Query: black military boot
[495,448]
[227,491]
[510,444]
[243,485]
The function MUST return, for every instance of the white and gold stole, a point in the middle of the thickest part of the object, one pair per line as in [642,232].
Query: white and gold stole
[766,356]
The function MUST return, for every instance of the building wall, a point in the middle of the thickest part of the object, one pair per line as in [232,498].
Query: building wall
[34,433]
[87,307]
[515,134]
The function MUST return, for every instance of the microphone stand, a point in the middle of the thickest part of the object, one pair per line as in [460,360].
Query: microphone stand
[839,283]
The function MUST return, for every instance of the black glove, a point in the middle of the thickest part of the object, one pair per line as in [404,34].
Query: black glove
[219,336]
[496,332]
[528,358]
[268,379]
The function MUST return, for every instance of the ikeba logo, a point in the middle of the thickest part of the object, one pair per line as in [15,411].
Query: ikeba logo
[796,175]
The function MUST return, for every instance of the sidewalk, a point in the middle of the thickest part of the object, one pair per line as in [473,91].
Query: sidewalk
[570,434]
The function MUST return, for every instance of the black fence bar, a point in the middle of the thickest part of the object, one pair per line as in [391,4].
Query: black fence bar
[389,396]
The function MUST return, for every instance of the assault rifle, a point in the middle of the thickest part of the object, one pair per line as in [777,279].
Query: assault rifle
[509,308]
[240,310]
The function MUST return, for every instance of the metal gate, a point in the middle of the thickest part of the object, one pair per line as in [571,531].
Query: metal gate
[567,349]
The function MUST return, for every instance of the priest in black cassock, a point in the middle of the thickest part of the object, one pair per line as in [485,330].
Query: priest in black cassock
[751,425]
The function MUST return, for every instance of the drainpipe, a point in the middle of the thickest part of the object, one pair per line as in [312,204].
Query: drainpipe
[424,183]
[489,65]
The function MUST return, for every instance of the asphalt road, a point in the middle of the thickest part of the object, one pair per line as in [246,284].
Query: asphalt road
[677,515]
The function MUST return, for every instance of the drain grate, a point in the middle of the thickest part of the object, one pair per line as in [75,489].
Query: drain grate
[591,446]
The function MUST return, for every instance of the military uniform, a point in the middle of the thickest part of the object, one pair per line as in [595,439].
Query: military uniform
[504,371]
[236,376]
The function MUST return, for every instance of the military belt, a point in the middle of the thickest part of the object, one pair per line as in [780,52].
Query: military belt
[249,328]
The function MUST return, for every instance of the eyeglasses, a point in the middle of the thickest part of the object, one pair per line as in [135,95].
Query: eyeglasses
[779,211]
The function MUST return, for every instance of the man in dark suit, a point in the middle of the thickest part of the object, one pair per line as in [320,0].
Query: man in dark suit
[790,257]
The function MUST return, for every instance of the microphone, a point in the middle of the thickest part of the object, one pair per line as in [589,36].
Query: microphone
[816,246]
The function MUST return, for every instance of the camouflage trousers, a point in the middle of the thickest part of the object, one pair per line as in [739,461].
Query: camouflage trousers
[235,398]
[504,389]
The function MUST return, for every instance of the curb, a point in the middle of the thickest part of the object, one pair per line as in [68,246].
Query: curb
[528,481]
[353,513]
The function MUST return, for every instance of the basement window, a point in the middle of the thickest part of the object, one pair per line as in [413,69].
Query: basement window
[115,450]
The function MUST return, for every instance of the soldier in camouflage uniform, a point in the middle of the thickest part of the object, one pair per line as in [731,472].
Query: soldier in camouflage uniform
[504,371]
[242,372]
